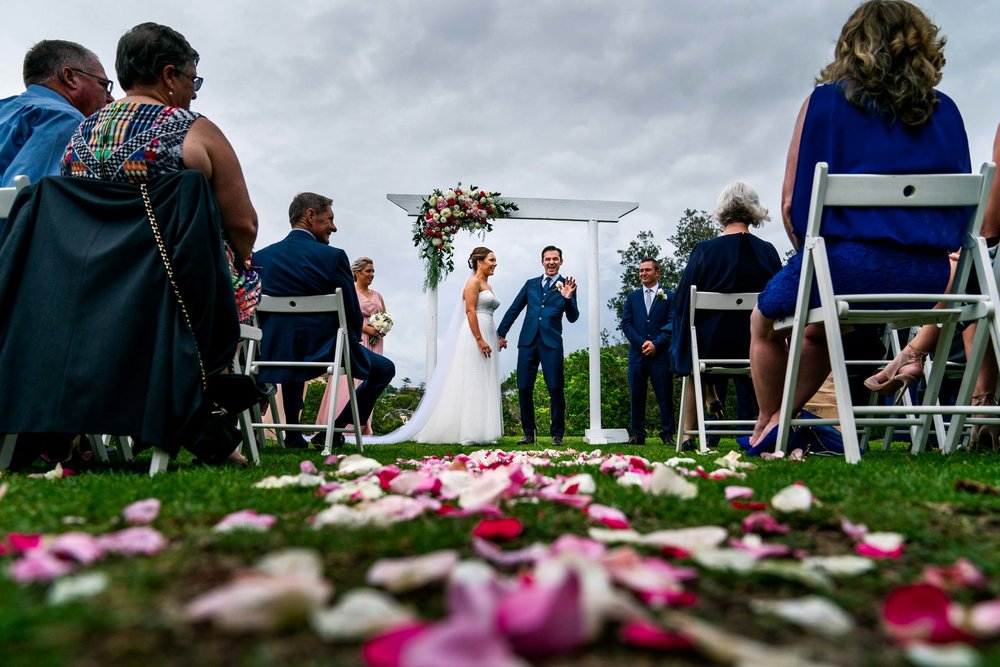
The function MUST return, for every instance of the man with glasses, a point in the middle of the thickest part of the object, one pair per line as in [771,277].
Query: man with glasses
[65,83]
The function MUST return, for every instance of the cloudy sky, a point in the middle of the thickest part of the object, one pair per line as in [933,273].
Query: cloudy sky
[662,102]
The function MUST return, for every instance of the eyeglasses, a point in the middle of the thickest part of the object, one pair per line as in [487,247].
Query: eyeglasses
[108,84]
[196,81]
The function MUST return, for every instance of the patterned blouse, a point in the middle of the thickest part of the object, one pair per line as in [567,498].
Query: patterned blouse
[129,142]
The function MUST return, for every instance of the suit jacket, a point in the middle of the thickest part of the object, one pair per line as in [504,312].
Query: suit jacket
[299,265]
[639,327]
[543,318]
[91,337]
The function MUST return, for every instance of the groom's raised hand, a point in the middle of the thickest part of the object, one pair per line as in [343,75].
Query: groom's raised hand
[568,287]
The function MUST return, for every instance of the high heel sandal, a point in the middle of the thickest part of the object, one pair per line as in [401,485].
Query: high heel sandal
[715,409]
[900,373]
[986,436]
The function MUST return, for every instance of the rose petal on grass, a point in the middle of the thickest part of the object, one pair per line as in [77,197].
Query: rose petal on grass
[962,573]
[545,615]
[609,516]
[748,505]
[732,462]
[386,649]
[689,539]
[360,614]
[71,589]
[811,612]
[666,481]
[142,511]
[285,481]
[506,528]
[459,640]
[81,547]
[21,542]
[725,560]
[794,498]
[485,490]
[141,540]
[947,655]
[738,492]
[881,545]
[920,612]
[853,530]
[356,464]
[494,554]
[762,522]
[578,484]
[649,636]
[308,468]
[405,574]
[984,618]
[245,520]
[38,565]
[755,546]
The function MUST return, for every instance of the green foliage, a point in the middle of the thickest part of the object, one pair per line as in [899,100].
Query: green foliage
[392,407]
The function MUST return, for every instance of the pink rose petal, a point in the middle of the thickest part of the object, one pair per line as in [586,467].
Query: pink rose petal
[880,545]
[609,516]
[307,468]
[960,574]
[498,529]
[245,520]
[853,530]
[920,613]
[649,636]
[142,511]
[384,650]
[21,542]
[541,618]
[140,540]
[762,522]
[81,547]
[38,565]
[738,492]
[984,618]
[494,554]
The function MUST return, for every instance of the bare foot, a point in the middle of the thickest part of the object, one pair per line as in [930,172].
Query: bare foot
[239,459]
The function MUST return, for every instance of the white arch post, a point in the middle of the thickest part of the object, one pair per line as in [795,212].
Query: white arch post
[574,210]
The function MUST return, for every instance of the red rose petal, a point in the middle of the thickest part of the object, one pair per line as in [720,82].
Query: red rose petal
[920,613]
[498,529]
[648,636]
[386,649]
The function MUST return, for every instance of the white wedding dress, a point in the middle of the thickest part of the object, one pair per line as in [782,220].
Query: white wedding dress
[461,402]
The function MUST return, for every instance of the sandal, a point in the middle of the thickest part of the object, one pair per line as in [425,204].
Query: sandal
[986,436]
[900,373]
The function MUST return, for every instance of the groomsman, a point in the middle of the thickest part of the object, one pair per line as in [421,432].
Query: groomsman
[647,320]
[546,298]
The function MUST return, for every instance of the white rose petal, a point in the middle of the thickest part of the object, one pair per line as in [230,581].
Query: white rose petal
[399,575]
[794,498]
[732,560]
[843,566]
[813,612]
[68,589]
[356,464]
[361,613]
[666,481]
[944,655]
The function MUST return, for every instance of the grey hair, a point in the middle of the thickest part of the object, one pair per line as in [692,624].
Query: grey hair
[44,60]
[739,202]
[358,265]
[304,201]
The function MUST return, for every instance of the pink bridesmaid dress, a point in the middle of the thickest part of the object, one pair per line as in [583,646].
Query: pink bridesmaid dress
[375,304]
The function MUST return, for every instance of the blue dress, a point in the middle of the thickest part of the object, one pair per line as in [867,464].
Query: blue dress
[871,249]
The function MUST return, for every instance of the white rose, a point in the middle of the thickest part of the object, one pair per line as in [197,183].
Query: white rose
[437,216]
[559,284]
[433,200]
[445,212]
[450,194]
[436,241]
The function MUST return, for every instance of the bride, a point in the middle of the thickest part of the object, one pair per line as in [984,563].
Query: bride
[461,403]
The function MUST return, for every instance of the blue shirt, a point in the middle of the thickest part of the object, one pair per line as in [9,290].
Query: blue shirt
[35,128]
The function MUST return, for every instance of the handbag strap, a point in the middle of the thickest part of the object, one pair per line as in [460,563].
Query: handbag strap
[170,276]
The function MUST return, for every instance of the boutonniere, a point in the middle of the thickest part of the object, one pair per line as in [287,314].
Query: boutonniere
[661,295]
[559,284]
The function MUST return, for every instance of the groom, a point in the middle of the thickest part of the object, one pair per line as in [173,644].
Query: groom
[540,342]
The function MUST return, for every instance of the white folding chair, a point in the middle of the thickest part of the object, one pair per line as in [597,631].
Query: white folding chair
[335,369]
[737,301]
[835,310]
[7,195]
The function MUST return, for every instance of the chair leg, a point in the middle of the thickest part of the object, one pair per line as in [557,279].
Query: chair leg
[97,446]
[7,450]
[249,438]
[681,431]
[159,463]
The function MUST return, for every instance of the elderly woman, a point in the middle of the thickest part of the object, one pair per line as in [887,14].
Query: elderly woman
[151,131]
[874,110]
[735,261]
[371,302]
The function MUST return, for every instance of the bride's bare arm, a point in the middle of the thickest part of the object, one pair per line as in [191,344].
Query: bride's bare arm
[471,297]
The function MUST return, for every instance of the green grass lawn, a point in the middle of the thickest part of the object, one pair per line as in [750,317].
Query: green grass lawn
[136,620]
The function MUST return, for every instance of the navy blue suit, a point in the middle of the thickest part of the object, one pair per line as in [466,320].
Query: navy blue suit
[299,265]
[540,342]
[656,326]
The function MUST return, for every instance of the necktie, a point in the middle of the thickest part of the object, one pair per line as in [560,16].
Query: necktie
[649,299]
[546,284]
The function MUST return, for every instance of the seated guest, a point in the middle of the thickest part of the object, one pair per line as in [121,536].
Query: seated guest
[151,132]
[647,320]
[736,261]
[371,302]
[875,110]
[64,84]
[304,264]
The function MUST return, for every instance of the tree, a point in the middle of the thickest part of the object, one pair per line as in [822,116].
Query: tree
[694,226]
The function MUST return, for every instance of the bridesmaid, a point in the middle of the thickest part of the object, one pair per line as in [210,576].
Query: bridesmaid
[371,302]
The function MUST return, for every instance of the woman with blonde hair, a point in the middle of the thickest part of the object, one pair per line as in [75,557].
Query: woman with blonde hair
[371,302]
[874,111]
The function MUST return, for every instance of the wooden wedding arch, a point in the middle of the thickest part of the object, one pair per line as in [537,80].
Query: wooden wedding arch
[574,210]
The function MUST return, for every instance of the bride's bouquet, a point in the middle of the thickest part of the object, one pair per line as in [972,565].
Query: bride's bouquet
[443,214]
[382,324]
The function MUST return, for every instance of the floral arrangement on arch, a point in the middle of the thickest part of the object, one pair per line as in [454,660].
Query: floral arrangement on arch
[444,214]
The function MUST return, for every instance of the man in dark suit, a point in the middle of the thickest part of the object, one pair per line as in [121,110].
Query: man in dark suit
[646,323]
[304,264]
[540,342]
